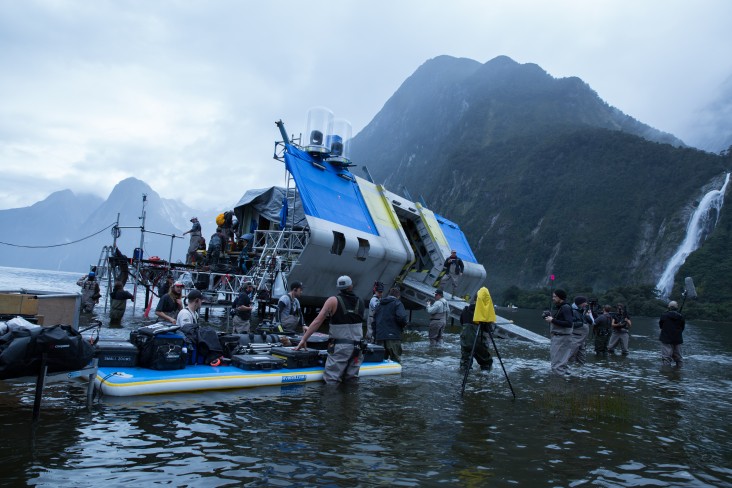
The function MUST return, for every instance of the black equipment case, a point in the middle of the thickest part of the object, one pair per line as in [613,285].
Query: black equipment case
[304,358]
[116,353]
[164,352]
[318,341]
[374,354]
[256,362]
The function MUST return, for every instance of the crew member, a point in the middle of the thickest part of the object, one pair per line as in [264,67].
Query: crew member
[346,333]
[561,331]
[170,304]
[452,268]
[438,310]
[90,292]
[243,309]
[289,313]
[119,297]
[672,325]
[195,233]
[581,321]
[601,330]
[373,303]
[471,327]
[389,320]
[621,324]
[189,315]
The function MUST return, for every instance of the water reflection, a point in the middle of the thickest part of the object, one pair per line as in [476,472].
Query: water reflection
[618,421]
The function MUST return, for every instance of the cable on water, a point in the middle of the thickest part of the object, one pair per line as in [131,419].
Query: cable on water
[58,245]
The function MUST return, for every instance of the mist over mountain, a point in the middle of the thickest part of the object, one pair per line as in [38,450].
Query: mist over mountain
[712,126]
[542,175]
[64,217]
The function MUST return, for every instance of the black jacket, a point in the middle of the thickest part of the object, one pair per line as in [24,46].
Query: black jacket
[672,325]
[389,319]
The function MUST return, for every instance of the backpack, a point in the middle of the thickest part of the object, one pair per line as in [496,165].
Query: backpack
[215,242]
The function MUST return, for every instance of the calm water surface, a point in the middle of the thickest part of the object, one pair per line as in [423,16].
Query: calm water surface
[619,421]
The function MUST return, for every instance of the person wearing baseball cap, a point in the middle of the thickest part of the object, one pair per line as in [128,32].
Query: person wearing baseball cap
[189,315]
[346,332]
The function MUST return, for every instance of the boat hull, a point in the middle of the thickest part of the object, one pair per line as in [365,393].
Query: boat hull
[121,382]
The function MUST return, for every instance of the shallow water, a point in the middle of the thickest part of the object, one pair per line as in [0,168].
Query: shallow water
[618,421]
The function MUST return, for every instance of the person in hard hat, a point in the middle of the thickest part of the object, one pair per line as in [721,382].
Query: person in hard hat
[90,292]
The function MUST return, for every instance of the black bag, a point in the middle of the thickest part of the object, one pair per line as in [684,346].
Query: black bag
[17,353]
[206,341]
[163,352]
[65,348]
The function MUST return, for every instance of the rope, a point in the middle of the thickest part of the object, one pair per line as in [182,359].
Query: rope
[58,245]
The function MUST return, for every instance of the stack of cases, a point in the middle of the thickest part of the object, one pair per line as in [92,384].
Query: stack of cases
[257,362]
[304,358]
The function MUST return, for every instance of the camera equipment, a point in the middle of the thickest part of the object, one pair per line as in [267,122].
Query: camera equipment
[545,314]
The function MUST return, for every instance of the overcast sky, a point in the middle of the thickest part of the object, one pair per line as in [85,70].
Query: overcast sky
[184,94]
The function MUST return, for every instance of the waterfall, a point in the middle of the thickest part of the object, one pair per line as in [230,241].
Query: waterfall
[698,223]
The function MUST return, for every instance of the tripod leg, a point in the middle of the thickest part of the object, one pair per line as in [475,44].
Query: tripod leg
[490,333]
[470,363]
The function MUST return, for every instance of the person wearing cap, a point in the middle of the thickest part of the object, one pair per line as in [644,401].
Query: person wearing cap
[581,321]
[452,269]
[189,315]
[170,304]
[243,308]
[560,329]
[289,313]
[438,310]
[620,335]
[195,233]
[118,297]
[346,332]
[90,292]
[373,303]
[672,325]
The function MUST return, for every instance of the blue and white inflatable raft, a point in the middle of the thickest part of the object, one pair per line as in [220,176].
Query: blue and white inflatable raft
[126,381]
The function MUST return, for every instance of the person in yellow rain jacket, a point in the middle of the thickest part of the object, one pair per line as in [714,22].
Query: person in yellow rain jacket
[479,314]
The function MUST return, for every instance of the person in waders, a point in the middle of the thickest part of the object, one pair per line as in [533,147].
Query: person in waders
[346,333]
[119,297]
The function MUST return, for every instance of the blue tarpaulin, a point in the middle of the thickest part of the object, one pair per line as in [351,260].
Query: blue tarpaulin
[456,239]
[325,194]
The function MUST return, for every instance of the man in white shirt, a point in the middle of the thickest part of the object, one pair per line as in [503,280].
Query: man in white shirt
[189,315]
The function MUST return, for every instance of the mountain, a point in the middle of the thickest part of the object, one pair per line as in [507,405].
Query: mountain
[64,217]
[542,175]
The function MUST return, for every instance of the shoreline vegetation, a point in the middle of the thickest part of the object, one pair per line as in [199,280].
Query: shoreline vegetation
[640,300]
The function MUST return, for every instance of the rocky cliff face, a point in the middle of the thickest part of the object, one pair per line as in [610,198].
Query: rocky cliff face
[542,175]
